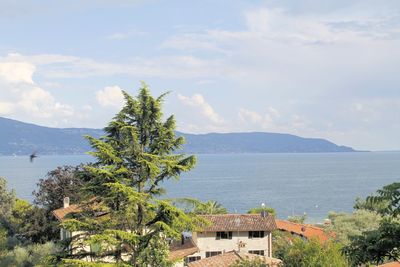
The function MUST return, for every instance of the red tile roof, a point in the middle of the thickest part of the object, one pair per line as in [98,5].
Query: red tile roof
[229,258]
[239,222]
[178,251]
[62,212]
[390,264]
[308,231]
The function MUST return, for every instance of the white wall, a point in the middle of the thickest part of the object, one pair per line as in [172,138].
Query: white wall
[206,241]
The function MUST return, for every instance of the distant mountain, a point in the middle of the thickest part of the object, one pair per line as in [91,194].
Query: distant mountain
[258,142]
[23,138]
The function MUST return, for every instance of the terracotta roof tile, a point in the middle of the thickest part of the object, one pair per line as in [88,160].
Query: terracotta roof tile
[308,231]
[229,258]
[178,251]
[62,212]
[239,222]
[390,264]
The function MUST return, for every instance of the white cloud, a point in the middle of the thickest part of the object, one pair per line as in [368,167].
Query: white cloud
[110,96]
[16,72]
[198,101]
[21,97]
[6,108]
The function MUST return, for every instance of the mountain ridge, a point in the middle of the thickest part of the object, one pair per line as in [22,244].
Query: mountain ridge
[21,138]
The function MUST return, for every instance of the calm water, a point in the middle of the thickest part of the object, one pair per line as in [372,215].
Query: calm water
[291,183]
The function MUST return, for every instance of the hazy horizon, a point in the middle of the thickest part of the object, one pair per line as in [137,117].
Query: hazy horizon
[309,68]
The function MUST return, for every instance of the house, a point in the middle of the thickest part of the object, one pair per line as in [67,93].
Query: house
[304,230]
[250,233]
[231,257]
[237,234]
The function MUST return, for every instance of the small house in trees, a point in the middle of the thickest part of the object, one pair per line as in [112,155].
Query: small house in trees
[232,234]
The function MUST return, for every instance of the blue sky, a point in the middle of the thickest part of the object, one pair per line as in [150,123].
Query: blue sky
[312,68]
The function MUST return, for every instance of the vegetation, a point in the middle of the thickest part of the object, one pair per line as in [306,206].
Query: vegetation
[346,225]
[258,210]
[312,253]
[133,160]
[381,244]
[195,206]
[123,217]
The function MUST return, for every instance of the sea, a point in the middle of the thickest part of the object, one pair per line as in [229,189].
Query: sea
[292,183]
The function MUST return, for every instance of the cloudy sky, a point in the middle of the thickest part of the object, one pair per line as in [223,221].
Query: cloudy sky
[325,69]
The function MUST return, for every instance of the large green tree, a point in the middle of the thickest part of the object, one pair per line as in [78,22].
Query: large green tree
[381,244]
[125,218]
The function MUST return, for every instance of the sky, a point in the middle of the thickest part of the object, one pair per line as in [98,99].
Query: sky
[324,69]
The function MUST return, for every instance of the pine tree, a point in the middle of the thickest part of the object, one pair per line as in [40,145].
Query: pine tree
[126,220]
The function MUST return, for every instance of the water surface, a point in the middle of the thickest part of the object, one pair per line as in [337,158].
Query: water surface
[291,183]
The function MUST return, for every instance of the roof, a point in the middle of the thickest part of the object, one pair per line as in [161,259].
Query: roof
[229,258]
[306,230]
[390,264]
[178,251]
[62,212]
[92,204]
[239,222]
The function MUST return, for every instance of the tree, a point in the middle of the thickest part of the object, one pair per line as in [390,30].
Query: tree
[65,181]
[298,218]
[380,244]
[7,200]
[312,253]
[389,195]
[376,246]
[195,206]
[126,220]
[345,225]
[258,210]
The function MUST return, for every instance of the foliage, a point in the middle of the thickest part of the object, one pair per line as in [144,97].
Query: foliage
[250,263]
[297,218]
[133,160]
[65,181]
[59,183]
[380,244]
[312,253]
[345,225]
[378,207]
[31,255]
[195,206]
[389,195]
[376,246]
[258,210]
[7,199]
[281,241]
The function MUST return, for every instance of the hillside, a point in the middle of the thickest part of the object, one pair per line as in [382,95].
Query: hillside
[23,138]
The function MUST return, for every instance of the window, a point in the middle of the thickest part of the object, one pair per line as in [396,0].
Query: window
[192,259]
[212,253]
[257,252]
[224,235]
[256,234]
[65,234]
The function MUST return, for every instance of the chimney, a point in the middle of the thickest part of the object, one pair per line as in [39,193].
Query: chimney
[264,213]
[66,202]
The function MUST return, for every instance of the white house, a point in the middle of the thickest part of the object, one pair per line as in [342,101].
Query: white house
[245,233]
